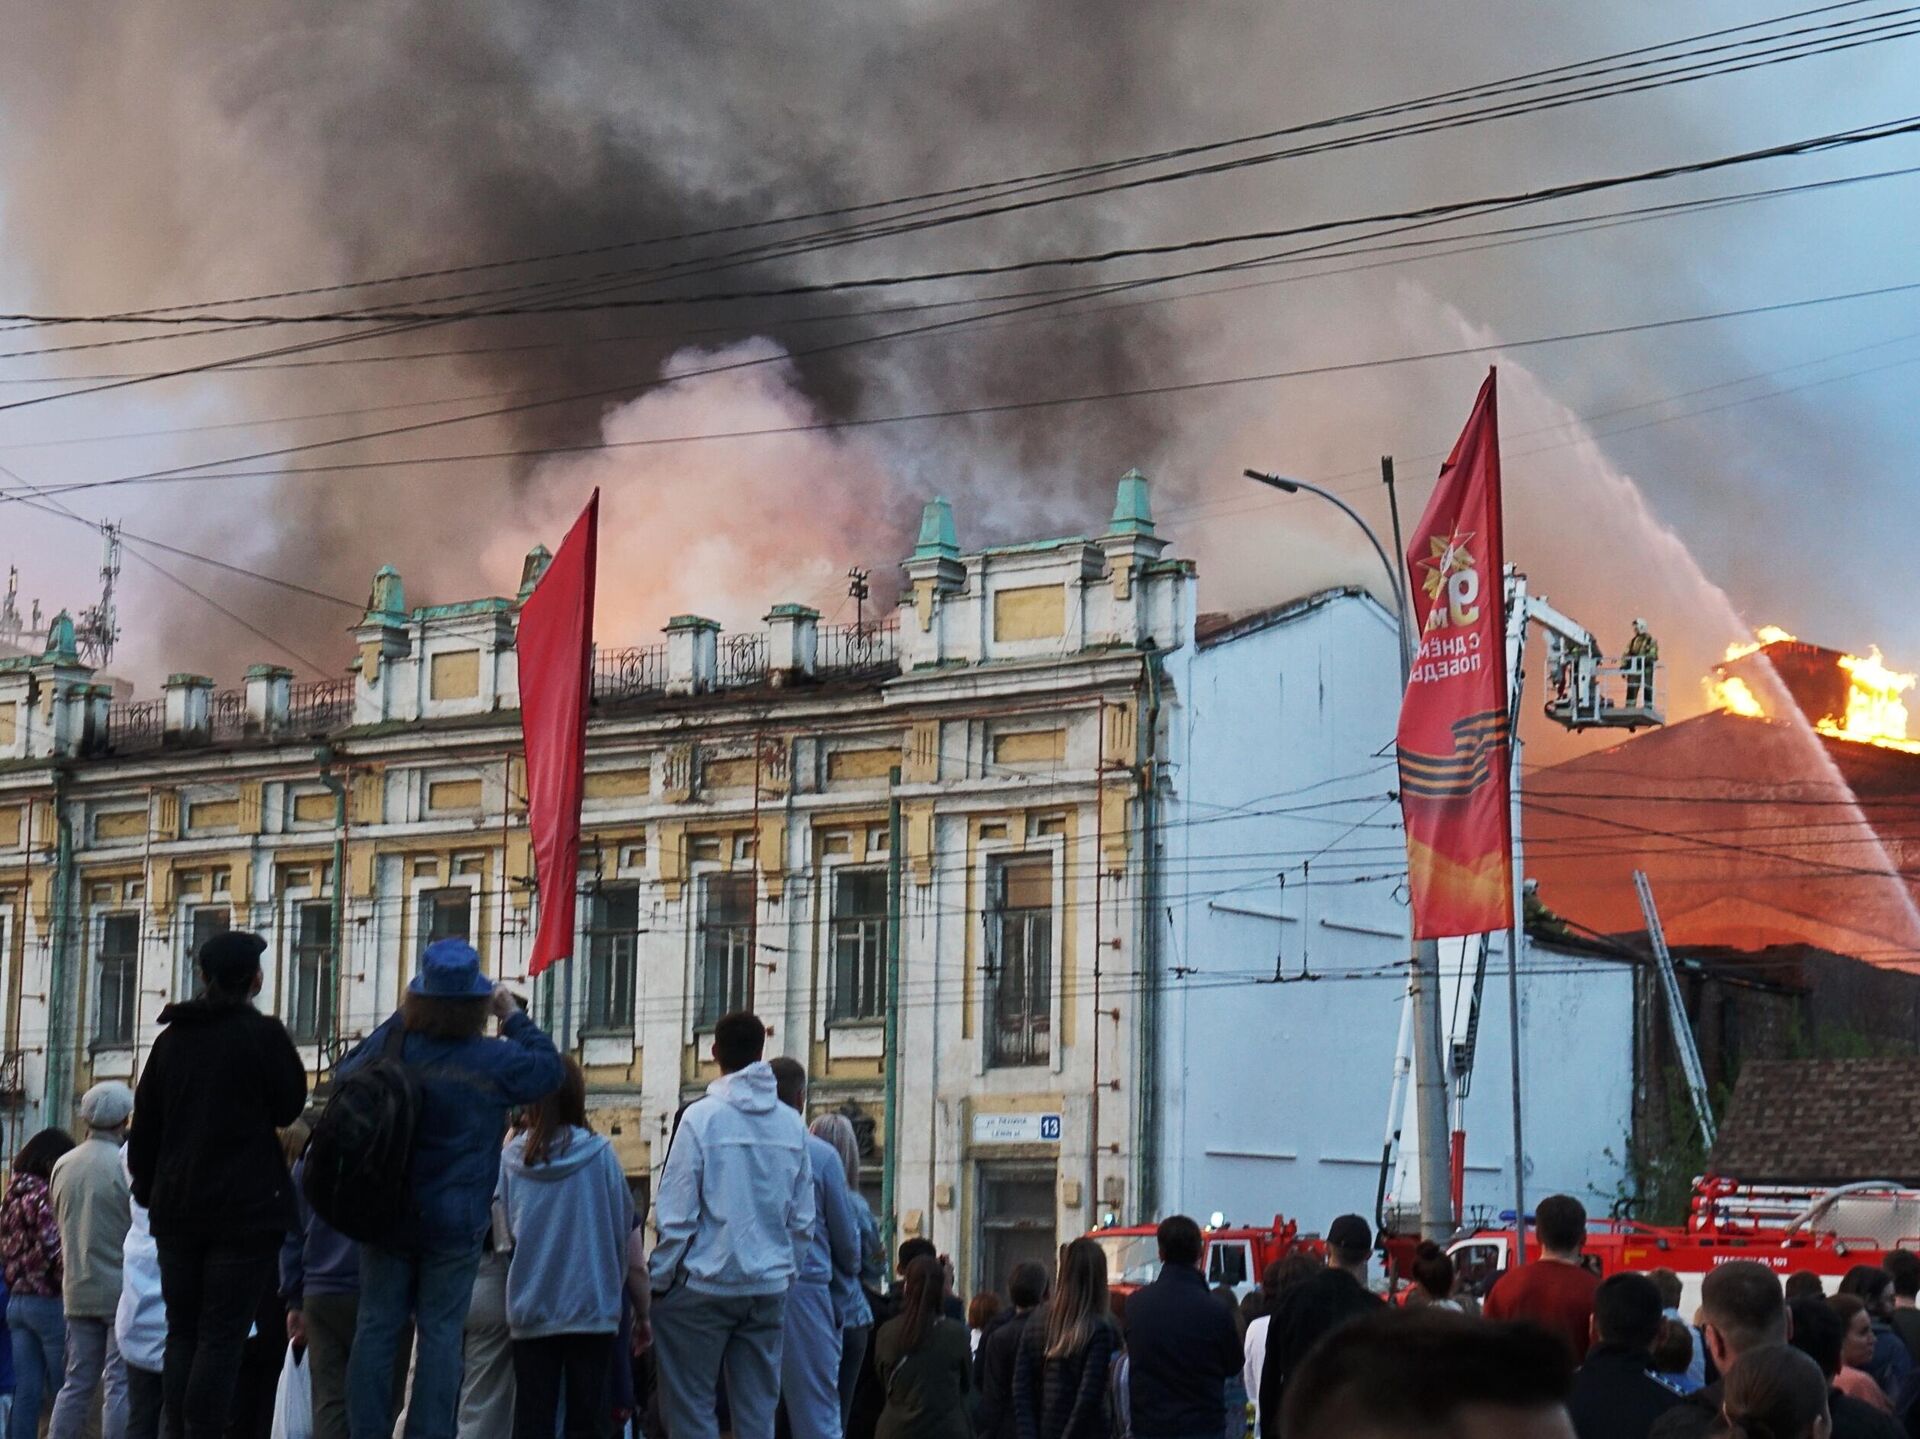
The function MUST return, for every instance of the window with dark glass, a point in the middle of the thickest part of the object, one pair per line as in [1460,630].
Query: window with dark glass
[449,914]
[208,920]
[613,927]
[312,951]
[859,935]
[725,979]
[1019,922]
[116,979]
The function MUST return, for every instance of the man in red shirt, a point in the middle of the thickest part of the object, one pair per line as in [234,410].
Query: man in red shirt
[1556,1292]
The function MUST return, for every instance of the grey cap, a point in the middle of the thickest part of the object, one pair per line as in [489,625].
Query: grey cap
[108,1105]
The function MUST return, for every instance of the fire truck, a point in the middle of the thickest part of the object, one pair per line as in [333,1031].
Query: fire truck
[1826,1231]
[1236,1255]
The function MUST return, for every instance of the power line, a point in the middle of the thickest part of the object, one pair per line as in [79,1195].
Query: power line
[1522,81]
[810,247]
[1813,145]
[201,472]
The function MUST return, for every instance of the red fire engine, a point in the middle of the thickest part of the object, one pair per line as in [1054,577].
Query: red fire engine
[1236,1255]
[1825,1231]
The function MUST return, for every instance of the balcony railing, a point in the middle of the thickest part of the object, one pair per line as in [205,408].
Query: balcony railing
[622,674]
[858,649]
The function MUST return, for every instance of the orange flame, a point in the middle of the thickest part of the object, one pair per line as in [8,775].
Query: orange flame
[1876,713]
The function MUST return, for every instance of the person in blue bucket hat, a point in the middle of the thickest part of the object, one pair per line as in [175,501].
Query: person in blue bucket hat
[467,1084]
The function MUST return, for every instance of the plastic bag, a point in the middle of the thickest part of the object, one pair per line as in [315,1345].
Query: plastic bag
[293,1399]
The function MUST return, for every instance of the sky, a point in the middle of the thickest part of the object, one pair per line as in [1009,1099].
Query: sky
[1709,477]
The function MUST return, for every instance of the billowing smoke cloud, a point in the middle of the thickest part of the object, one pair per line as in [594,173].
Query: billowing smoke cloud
[211,152]
[155,154]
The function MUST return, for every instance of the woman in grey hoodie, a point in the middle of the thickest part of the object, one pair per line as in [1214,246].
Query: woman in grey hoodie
[570,1213]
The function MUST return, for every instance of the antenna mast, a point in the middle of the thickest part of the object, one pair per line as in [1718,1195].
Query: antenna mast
[99,625]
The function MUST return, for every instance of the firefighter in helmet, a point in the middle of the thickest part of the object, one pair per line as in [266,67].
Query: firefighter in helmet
[1642,651]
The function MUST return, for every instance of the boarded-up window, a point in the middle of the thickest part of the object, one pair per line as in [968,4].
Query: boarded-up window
[213,814]
[1025,748]
[12,824]
[8,712]
[1033,612]
[729,773]
[455,675]
[120,824]
[452,795]
[618,783]
[859,764]
[313,809]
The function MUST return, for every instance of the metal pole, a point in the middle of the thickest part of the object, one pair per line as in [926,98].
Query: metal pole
[1430,1080]
[1516,936]
[1437,1212]
[889,1157]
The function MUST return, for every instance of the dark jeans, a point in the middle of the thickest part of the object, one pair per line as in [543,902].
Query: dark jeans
[211,1289]
[144,1403]
[434,1291]
[578,1364]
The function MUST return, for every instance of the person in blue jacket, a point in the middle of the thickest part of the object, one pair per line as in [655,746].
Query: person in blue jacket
[467,1084]
[810,1349]
[570,1213]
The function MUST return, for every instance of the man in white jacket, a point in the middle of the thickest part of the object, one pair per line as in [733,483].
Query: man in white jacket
[735,1216]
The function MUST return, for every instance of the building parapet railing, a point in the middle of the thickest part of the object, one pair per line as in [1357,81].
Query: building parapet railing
[742,660]
[623,673]
[858,649]
[227,714]
[319,705]
[136,724]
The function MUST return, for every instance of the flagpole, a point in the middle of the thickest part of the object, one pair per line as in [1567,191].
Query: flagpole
[1429,1077]
[1429,1048]
[1515,588]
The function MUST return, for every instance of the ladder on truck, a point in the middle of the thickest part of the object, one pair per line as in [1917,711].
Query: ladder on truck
[1677,1019]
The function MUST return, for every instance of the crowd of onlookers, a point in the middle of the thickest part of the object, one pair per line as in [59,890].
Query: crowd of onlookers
[1552,1349]
[213,1259]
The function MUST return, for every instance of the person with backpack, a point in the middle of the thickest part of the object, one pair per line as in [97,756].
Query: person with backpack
[570,1213]
[406,1158]
[221,1081]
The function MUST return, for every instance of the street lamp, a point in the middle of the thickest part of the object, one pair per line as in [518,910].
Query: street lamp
[1423,990]
[1290,487]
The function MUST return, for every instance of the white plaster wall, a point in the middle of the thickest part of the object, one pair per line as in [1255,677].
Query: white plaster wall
[1277,1094]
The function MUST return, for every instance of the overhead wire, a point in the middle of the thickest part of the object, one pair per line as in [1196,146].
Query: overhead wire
[1512,84]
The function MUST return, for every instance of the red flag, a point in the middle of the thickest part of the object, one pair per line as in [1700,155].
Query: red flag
[1454,725]
[555,645]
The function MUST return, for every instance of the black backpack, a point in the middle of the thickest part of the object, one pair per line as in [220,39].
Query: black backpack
[362,1149]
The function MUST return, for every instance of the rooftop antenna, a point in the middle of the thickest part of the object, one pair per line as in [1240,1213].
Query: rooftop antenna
[10,622]
[859,589]
[99,624]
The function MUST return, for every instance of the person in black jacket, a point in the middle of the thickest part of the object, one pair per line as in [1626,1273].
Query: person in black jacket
[1060,1378]
[206,1162]
[993,1365]
[1614,1396]
[1182,1344]
[1313,1309]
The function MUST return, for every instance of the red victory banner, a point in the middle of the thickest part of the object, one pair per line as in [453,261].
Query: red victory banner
[1454,726]
[555,645]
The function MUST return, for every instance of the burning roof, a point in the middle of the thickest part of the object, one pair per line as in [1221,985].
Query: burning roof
[1790,814]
